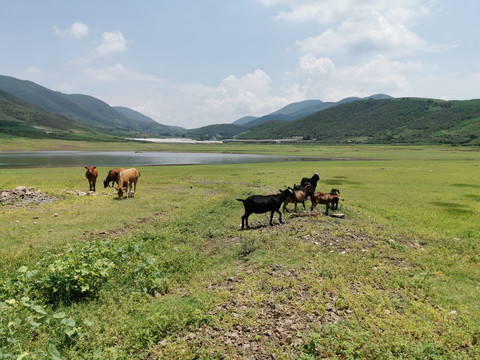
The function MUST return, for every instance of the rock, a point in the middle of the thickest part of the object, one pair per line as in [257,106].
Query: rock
[55,215]
[163,343]
[340,216]
[23,195]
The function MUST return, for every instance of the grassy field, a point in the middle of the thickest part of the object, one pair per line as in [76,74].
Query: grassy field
[169,274]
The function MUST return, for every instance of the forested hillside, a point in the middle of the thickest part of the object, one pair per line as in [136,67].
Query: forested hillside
[85,109]
[402,120]
[20,118]
[214,131]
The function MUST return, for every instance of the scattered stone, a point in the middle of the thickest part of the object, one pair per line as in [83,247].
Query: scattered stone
[23,196]
[340,216]
[163,343]
[55,215]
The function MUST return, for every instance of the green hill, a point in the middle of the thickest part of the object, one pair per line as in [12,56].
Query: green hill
[402,120]
[214,131]
[90,111]
[21,118]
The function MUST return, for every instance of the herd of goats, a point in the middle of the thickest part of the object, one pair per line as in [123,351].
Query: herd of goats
[264,203]
[258,204]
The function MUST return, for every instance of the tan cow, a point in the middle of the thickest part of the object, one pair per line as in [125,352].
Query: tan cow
[126,179]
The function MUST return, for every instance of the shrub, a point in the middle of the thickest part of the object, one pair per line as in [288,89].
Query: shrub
[68,277]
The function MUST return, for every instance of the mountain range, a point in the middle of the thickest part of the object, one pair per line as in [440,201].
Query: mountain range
[301,109]
[92,113]
[30,110]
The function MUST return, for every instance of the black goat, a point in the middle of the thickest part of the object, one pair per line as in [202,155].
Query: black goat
[334,205]
[259,204]
[313,181]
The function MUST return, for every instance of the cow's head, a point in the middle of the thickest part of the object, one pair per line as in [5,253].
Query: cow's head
[90,169]
[120,191]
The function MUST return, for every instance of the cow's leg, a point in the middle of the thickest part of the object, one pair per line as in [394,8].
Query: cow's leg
[127,187]
[134,187]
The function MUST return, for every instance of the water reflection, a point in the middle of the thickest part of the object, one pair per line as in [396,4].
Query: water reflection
[25,159]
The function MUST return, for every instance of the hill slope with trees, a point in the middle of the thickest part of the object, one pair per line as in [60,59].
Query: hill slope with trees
[85,109]
[402,120]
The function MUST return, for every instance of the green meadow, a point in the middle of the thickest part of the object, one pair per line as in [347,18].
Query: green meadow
[168,274]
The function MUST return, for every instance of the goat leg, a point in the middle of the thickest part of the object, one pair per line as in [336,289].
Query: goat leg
[280,216]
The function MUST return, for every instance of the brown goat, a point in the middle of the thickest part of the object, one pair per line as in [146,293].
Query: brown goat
[126,179]
[301,196]
[322,198]
[91,175]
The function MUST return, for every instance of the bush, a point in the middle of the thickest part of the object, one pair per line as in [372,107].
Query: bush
[68,277]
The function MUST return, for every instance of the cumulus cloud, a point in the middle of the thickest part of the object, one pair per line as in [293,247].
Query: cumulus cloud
[77,30]
[326,11]
[320,78]
[357,27]
[112,42]
[106,73]
[251,94]
[366,33]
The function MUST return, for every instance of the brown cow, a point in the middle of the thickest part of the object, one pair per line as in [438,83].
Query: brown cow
[91,175]
[322,198]
[126,179]
[112,177]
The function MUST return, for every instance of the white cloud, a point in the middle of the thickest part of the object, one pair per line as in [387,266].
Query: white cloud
[77,30]
[320,78]
[327,11]
[112,42]
[106,73]
[358,27]
[33,71]
[366,33]
[250,94]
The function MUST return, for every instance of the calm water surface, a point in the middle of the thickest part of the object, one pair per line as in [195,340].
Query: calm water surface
[27,159]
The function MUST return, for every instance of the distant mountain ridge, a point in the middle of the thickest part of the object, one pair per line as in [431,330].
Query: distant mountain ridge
[85,109]
[304,108]
[30,110]
[393,120]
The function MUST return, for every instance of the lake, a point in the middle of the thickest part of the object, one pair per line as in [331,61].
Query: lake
[29,159]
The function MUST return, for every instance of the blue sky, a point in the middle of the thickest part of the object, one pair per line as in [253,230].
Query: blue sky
[193,63]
